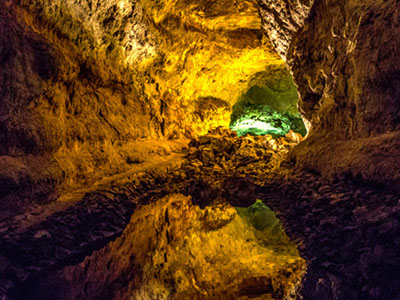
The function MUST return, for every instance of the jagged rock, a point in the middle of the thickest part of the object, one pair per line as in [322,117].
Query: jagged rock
[347,106]
[246,155]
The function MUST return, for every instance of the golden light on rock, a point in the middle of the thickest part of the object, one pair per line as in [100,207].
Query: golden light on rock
[167,70]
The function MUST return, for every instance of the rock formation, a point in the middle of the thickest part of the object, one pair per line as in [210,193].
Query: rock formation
[342,55]
[175,250]
[94,79]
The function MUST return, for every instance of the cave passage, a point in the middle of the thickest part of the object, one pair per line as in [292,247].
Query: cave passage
[269,106]
[136,136]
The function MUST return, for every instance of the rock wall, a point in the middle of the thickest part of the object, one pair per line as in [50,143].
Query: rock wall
[343,56]
[83,83]
[61,121]
[282,20]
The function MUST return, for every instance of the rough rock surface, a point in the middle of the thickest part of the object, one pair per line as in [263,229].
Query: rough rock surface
[58,123]
[84,83]
[347,232]
[282,20]
[221,152]
[343,57]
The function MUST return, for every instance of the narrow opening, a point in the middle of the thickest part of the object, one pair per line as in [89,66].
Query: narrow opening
[269,106]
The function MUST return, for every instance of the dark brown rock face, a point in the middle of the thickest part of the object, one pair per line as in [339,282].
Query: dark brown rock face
[344,62]
[348,234]
[26,61]
[344,58]
[282,19]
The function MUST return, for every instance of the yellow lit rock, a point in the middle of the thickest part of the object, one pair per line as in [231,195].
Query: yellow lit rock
[211,52]
[124,73]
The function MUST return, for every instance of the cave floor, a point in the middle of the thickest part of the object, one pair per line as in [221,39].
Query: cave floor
[348,232]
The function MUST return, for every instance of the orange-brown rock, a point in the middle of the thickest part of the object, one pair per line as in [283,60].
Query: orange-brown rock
[86,83]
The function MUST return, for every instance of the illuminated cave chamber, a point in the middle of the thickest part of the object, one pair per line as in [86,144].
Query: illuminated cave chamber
[269,106]
[99,98]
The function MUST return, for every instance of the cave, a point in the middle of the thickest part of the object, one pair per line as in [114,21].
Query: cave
[181,149]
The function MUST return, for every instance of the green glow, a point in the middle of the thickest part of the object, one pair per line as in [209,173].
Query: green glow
[256,127]
[267,226]
[261,120]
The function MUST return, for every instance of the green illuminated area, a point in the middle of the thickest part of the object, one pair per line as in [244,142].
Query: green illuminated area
[267,227]
[261,119]
[269,106]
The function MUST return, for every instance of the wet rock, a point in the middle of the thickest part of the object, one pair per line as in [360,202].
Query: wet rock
[217,216]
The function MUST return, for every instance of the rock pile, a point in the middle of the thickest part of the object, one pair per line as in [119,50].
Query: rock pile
[222,153]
